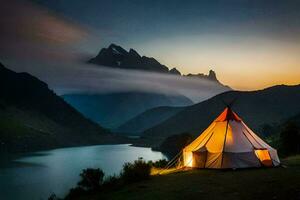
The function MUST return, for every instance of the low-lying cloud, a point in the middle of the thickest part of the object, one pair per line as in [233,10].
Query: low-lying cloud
[74,77]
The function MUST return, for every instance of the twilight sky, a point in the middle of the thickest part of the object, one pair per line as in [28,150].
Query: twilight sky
[251,44]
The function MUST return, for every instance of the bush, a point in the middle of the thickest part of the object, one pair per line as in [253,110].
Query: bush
[289,138]
[137,171]
[53,197]
[91,179]
[112,182]
[159,164]
[75,193]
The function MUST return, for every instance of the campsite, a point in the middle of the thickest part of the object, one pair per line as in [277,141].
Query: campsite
[227,161]
[210,184]
[151,99]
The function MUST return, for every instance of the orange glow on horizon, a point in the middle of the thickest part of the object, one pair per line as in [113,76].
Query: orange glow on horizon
[249,63]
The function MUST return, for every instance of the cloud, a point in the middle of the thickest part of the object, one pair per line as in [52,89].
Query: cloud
[75,77]
[87,78]
[29,31]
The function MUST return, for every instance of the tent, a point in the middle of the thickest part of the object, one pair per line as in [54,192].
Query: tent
[229,143]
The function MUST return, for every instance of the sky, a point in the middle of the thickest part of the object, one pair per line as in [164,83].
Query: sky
[251,44]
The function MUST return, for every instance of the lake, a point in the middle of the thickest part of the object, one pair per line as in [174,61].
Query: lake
[36,175]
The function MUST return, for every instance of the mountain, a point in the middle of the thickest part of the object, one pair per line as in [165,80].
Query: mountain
[211,76]
[113,109]
[174,71]
[147,119]
[117,57]
[257,108]
[32,117]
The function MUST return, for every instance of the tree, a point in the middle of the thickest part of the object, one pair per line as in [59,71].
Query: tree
[91,179]
[290,139]
[137,171]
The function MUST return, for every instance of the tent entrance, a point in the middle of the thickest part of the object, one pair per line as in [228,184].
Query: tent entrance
[264,156]
[199,159]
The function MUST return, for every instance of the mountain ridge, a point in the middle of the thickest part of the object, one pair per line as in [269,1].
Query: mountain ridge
[113,109]
[117,57]
[256,108]
[147,119]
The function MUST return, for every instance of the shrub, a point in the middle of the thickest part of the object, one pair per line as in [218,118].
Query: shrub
[159,164]
[137,171]
[112,182]
[91,179]
[53,197]
[75,193]
[289,138]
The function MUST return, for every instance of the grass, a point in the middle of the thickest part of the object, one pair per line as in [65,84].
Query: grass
[12,126]
[263,183]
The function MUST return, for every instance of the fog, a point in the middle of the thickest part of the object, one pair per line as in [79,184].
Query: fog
[76,77]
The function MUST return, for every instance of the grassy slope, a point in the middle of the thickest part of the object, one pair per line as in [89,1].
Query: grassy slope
[274,183]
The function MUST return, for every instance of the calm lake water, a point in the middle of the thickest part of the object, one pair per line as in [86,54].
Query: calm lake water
[35,176]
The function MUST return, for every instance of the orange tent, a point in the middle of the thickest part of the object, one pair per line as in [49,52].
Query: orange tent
[229,143]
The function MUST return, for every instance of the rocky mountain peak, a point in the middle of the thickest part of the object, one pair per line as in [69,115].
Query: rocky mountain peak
[134,53]
[174,71]
[117,57]
[115,49]
[212,75]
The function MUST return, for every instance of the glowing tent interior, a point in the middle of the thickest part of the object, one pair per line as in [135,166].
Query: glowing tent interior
[228,143]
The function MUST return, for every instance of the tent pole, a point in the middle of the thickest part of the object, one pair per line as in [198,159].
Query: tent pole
[170,162]
[224,143]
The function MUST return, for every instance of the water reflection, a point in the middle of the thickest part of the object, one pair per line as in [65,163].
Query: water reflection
[35,176]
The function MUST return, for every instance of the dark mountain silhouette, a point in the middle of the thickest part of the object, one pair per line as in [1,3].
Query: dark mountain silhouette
[257,108]
[113,109]
[147,119]
[33,117]
[117,57]
[211,76]
[175,71]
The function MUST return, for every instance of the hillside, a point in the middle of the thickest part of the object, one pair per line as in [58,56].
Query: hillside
[32,117]
[281,183]
[295,119]
[113,109]
[257,108]
[147,119]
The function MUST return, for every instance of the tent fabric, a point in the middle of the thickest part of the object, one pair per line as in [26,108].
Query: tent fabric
[229,143]
[264,157]
[228,114]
